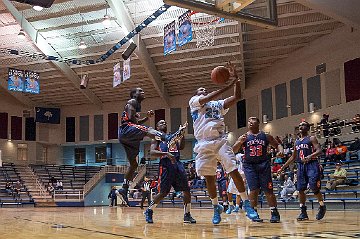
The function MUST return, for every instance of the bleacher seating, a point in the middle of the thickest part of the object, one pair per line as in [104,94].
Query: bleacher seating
[8,174]
[73,177]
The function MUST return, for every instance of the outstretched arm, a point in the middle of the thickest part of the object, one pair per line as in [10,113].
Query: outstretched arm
[234,98]
[149,114]
[215,94]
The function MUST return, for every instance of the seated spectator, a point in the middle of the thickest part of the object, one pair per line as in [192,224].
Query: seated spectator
[53,181]
[340,153]
[355,147]
[59,185]
[356,123]
[50,188]
[324,122]
[8,188]
[275,169]
[17,189]
[338,178]
[330,153]
[287,188]
[278,160]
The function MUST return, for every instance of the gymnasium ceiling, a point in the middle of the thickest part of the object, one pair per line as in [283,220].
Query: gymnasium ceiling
[59,30]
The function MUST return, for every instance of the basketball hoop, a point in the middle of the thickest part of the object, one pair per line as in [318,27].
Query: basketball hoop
[204,26]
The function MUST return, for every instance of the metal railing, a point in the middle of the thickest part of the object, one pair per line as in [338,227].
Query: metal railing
[99,175]
[65,194]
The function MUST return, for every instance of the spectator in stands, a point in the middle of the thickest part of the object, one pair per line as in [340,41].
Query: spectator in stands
[340,153]
[275,169]
[287,188]
[59,185]
[324,122]
[330,153]
[50,188]
[338,178]
[113,197]
[53,181]
[17,189]
[355,147]
[356,123]
[8,188]
[146,193]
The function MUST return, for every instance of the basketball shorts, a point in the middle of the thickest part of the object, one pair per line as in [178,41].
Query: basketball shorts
[130,136]
[210,152]
[258,175]
[231,186]
[308,173]
[172,175]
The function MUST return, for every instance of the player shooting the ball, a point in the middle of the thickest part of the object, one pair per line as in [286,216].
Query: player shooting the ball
[212,146]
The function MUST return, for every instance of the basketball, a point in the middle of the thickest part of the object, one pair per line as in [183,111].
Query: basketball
[220,75]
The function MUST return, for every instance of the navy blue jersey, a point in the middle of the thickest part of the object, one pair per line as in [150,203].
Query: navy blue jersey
[220,173]
[125,116]
[163,147]
[304,148]
[255,148]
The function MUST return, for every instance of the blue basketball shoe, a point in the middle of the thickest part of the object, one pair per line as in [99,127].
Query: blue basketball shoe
[250,212]
[218,209]
[230,209]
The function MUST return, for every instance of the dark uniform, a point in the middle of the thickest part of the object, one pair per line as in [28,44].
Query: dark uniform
[256,164]
[131,134]
[221,180]
[308,173]
[171,174]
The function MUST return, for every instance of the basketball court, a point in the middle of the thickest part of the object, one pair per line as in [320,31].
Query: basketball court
[105,222]
[83,57]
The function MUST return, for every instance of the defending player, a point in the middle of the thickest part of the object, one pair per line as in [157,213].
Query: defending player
[306,151]
[131,133]
[171,174]
[257,166]
[212,145]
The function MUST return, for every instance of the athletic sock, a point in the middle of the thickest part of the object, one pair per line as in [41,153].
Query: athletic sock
[214,201]
[152,205]
[187,207]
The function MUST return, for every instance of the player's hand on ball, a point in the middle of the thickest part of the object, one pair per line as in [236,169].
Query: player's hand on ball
[231,68]
[150,113]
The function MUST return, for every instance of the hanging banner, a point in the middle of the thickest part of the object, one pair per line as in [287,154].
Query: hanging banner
[169,38]
[15,80]
[117,75]
[185,29]
[126,70]
[32,84]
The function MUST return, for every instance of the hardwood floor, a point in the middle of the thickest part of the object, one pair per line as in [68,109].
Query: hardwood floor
[105,222]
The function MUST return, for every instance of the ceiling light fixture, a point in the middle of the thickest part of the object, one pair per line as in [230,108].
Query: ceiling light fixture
[21,34]
[106,19]
[82,45]
[37,8]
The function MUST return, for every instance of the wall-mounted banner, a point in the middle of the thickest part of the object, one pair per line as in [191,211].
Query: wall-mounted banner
[169,38]
[185,29]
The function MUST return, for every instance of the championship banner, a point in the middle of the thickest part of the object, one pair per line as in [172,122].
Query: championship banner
[117,75]
[15,80]
[126,70]
[169,38]
[185,29]
[32,84]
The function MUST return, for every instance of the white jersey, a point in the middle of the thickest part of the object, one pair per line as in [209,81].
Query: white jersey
[239,158]
[208,118]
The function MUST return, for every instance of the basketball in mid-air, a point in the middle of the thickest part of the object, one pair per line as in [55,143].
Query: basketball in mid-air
[220,75]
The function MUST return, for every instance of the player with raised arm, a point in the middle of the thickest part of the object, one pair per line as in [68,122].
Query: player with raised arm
[132,132]
[306,151]
[212,145]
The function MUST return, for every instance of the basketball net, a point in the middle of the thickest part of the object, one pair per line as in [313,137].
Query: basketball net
[204,26]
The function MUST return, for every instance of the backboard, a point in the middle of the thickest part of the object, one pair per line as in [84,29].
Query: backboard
[261,13]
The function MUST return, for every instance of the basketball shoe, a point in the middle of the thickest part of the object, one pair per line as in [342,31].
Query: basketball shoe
[236,209]
[148,215]
[218,209]
[188,218]
[230,209]
[303,214]
[275,216]
[251,213]
[321,212]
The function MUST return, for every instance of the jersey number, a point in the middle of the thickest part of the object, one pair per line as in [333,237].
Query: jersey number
[255,151]
[212,113]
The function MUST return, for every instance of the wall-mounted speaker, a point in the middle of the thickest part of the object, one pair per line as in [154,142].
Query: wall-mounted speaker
[127,53]
[41,3]
[84,81]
